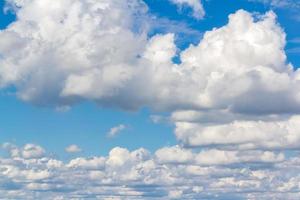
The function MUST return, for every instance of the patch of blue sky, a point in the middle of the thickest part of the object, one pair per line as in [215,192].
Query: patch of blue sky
[6,17]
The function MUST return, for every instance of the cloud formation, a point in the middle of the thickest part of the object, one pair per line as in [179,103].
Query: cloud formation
[242,134]
[64,55]
[171,173]
[65,49]
[233,97]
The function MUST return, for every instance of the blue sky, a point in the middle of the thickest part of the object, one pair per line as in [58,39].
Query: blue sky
[160,113]
[86,125]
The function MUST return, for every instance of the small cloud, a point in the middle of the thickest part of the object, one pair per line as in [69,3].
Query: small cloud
[115,130]
[195,5]
[73,149]
[32,151]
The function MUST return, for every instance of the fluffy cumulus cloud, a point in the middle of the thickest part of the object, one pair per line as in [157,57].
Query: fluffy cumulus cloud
[69,51]
[171,173]
[196,5]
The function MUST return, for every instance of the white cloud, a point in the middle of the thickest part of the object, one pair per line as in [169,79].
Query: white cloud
[283,134]
[73,149]
[234,94]
[196,5]
[174,155]
[29,151]
[68,44]
[177,155]
[76,62]
[140,175]
[219,157]
[90,163]
[114,131]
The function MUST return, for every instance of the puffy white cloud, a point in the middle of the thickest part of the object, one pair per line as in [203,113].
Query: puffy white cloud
[174,155]
[91,163]
[242,66]
[66,48]
[118,156]
[74,50]
[242,92]
[116,130]
[196,5]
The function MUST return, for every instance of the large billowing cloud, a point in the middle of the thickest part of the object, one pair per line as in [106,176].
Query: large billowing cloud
[55,50]
[172,173]
[57,53]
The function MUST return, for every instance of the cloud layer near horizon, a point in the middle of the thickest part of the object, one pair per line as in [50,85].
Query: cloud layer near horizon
[171,173]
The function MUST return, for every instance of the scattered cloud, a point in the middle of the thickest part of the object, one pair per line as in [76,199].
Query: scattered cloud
[171,173]
[233,97]
[114,131]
